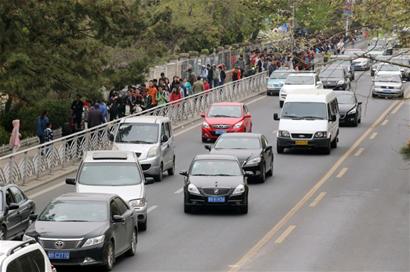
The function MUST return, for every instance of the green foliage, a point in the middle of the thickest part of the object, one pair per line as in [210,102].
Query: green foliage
[4,136]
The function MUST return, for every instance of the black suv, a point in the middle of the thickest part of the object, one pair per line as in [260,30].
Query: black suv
[15,213]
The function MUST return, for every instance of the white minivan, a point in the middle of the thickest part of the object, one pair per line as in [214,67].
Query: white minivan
[114,172]
[309,120]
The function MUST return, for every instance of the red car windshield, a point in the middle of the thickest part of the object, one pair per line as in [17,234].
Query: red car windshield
[225,111]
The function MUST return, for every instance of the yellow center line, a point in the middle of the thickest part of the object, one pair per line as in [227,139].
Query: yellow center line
[317,199]
[285,234]
[342,172]
[374,134]
[385,122]
[269,235]
[397,108]
[359,152]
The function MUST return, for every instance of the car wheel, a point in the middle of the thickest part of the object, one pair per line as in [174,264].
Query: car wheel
[334,143]
[159,177]
[280,149]
[373,95]
[133,246]
[171,171]
[355,122]
[204,140]
[270,172]
[109,256]
[3,233]
[326,150]
[142,226]
[244,209]
[187,208]
[262,176]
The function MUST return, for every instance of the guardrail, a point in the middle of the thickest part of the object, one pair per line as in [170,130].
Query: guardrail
[40,160]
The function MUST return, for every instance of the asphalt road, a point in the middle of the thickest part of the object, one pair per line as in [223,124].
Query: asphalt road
[361,222]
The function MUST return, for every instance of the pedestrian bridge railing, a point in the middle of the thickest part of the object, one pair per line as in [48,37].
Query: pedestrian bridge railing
[26,165]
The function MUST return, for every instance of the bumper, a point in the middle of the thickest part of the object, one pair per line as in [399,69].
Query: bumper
[273,91]
[141,213]
[211,134]
[202,200]
[311,143]
[151,166]
[381,93]
[347,119]
[255,169]
[82,257]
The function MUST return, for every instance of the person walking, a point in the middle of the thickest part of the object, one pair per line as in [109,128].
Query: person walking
[95,117]
[41,124]
[215,76]
[222,75]
[15,136]
[48,137]
[152,91]
[77,112]
[198,86]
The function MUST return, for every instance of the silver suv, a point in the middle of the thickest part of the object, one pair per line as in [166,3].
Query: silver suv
[152,140]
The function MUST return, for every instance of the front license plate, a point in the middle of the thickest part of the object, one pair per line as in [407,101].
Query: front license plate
[216,199]
[386,91]
[59,255]
[301,142]
[219,132]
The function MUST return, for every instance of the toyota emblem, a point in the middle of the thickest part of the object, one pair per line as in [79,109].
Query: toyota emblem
[59,244]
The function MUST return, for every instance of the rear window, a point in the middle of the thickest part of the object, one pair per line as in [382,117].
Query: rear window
[30,262]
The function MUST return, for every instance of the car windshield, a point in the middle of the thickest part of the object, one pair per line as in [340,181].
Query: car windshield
[215,168]
[279,74]
[345,99]
[75,211]
[238,143]
[225,111]
[137,133]
[387,78]
[388,67]
[300,80]
[304,110]
[354,52]
[331,73]
[109,174]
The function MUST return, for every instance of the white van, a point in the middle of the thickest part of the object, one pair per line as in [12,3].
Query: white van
[113,172]
[299,81]
[152,139]
[309,120]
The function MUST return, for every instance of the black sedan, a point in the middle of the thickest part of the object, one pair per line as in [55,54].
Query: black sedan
[86,229]
[215,180]
[335,77]
[350,109]
[16,210]
[252,149]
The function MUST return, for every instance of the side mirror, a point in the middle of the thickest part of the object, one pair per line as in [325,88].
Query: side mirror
[359,103]
[33,217]
[276,117]
[164,138]
[111,137]
[149,180]
[183,173]
[118,218]
[333,118]
[208,147]
[70,181]
[248,115]
[269,147]
[202,114]
[13,206]
[319,84]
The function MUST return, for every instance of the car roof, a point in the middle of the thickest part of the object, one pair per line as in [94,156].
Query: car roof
[85,196]
[151,119]
[227,104]
[109,156]
[7,248]
[314,95]
[344,93]
[241,134]
[393,73]
[303,74]
[215,157]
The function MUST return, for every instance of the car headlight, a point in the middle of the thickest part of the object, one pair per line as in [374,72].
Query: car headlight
[352,111]
[94,241]
[137,203]
[340,82]
[27,238]
[205,125]
[238,125]
[254,160]
[321,134]
[193,189]
[283,133]
[240,189]
[152,152]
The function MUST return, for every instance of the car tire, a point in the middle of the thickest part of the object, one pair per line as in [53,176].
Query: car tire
[244,209]
[109,257]
[281,104]
[133,245]
[327,150]
[270,172]
[171,171]
[373,95]
[280,149]
[159,177]
[262,176]
[334,143]
[143,225]
[3,233]
[187,208]
[356,122]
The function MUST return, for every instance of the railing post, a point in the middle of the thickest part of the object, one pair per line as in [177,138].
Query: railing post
[24,171]
[11,168]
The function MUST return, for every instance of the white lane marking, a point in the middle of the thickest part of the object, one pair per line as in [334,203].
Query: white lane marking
[359,152]
[342,172]
[179,191]
[374,134]
[51,188]
[150,209]
[385,122]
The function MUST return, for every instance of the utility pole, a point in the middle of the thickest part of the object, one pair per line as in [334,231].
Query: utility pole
[292,32]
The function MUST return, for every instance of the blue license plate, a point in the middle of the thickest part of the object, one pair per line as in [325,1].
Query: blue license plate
[219,132]
[216,199]
[386,90]
[59,255]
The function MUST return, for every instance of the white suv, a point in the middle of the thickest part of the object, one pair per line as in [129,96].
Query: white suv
[27,256]
[299,82]
[114,172]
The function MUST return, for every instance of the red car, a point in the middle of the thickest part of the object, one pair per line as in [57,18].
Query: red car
[225,117]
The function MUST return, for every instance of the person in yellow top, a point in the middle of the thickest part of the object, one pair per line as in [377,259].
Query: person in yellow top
[152,91]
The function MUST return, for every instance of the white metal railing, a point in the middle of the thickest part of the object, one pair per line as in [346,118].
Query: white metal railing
[37,161]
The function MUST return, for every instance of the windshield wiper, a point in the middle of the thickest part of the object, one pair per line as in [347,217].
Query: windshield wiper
[294,117]
[220,115]
[312,117]
[72,221]
[200,175]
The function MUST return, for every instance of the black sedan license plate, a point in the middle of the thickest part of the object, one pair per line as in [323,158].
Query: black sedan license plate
[59,255]
[216,199]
